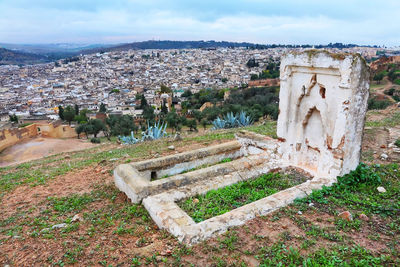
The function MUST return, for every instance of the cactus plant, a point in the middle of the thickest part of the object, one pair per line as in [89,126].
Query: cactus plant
[219,123]
[243,119]
[154,132]
[230,121]
[129,140]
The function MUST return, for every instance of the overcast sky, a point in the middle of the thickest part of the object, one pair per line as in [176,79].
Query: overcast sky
[258,21]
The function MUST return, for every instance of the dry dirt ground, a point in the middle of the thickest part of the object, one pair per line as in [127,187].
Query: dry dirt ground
[110,231]
[37,148]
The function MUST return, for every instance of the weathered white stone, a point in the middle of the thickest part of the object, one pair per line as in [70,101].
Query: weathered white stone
[323,100]
[381,189]
[384,156]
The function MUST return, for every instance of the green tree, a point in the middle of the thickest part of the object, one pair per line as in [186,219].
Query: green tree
[143,102]
[192,124]
[379,77]
[204,123]
[164,109]
[165,89]
[148,114]
[13,118]
[121,125]
[187,93]
[102,108]
[82,117]
[61,112]
[252,63]
[76,109]
[197,115]
[254,77]
[69,114]
[173,120]
[97,126]
[80,129]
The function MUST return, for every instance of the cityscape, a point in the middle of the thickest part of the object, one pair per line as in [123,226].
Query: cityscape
[199,133]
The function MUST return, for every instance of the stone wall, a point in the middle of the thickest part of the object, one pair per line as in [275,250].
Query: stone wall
[56,130]
[10,137]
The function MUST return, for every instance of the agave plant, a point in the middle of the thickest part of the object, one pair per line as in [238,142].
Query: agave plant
[219,123]
[243,119]
[231,120]
[154,132]
[129,140]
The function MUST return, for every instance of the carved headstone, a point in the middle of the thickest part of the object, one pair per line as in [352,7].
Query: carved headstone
[323,101]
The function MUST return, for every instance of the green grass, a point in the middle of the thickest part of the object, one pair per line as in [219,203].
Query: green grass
[40,171]
[220,201]
[281,255]
[357,191]
[392,121]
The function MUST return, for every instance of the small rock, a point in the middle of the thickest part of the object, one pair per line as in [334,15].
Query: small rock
[299,212]
[363,217]
[60,225]
[171,148]
[311,204]
[67,157]
[195,201]
[346,215]
[45,230]
[383,156]
[177,137]
[76,218]
[114,159]
[381,189]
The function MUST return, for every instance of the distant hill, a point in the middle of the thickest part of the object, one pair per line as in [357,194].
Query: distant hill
[172,45]
[39,53]
[10,57]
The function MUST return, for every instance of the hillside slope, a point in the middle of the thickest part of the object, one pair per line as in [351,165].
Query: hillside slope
[10,57]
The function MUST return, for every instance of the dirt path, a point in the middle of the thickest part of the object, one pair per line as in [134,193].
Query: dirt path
[37,148]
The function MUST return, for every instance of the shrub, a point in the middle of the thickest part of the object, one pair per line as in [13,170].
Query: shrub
[95,140]
[377,104]
[389,91]
[397,142]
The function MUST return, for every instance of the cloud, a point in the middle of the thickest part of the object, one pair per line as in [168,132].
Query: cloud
[299,22]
